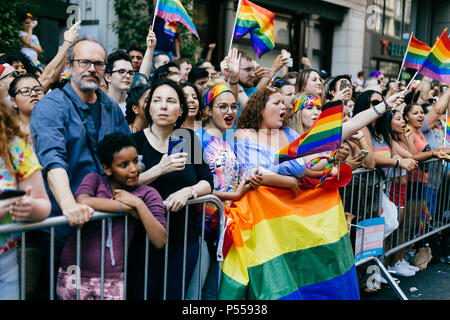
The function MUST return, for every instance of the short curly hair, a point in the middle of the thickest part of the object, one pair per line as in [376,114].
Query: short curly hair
[252,115]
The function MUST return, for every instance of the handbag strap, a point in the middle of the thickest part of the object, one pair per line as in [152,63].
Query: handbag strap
[88,136]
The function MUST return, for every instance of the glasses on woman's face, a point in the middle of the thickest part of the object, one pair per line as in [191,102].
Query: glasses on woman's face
[375,102]
[224,108]
[25,91]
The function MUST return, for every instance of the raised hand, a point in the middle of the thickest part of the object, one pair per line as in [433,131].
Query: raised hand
[71,34]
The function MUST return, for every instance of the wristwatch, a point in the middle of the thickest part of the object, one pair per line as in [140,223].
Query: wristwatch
[193,193]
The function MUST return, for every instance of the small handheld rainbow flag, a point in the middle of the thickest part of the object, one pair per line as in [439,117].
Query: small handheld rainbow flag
[173,10]
[324,135]
[437,64]
[416,54]
[259,22]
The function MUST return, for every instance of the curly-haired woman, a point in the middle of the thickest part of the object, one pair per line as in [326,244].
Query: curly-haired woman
[19,169]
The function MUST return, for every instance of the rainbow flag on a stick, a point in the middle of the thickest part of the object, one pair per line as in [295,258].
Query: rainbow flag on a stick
[416,53]
[281,246]
[324,135]
[437,64]
[259,22]
[173,10]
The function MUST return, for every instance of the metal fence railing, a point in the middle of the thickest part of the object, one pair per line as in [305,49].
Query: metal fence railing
[421,197]
[53,222]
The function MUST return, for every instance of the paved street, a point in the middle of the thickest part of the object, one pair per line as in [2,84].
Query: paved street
[432,283]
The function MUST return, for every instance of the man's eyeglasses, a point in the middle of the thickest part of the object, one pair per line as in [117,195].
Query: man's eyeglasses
[224,108]
[14,73]
[25,91]
[249,69]
[123,72]
[86,64]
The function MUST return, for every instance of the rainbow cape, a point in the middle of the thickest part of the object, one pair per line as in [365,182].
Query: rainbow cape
[416,54]
[259,22]
[173,10]
[324,135]
[437,64]
[284,246]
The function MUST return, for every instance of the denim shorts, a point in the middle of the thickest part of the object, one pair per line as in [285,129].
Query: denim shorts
[9,275]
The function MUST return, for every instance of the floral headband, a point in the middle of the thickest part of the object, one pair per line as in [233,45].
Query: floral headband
[306,102]
[212,93]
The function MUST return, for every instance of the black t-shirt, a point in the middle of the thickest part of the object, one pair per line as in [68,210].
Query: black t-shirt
[95,110]
[196,169]
[164,42]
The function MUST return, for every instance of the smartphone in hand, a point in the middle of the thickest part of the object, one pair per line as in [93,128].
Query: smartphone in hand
[11,193]
[176,145]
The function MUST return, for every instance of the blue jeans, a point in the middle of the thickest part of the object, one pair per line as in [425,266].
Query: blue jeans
[9,275]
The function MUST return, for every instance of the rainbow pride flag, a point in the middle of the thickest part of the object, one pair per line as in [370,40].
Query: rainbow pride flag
[437,64]
[324,135]
[284,246]
[170,28]
[173,10]
[259,22]
[416,54]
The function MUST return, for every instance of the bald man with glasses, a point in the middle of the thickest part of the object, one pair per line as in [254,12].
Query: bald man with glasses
[66,126]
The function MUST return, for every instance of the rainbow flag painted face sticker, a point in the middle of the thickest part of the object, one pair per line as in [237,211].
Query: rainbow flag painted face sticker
[306,102]
[212,93]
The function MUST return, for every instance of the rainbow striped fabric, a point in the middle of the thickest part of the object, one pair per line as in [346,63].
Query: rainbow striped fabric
[416,54]
[447,129]
[173,10]
[170,28]
[437,65]
[259,22]
[280,246]
[212,93]
[324,135]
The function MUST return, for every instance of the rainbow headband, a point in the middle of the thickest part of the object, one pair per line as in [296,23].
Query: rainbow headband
[307,101]
[29,15]
[212,93]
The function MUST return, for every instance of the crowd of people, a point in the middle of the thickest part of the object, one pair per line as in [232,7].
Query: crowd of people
[125,131]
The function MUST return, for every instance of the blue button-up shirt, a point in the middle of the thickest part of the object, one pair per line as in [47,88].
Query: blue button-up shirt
[60,138]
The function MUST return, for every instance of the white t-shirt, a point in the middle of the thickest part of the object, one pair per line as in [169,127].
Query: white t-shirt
[29,52]
[123,107]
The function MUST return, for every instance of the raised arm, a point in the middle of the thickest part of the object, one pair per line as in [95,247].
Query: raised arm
[211,47]
[362,119]
[147,61]
[26,40]
[279,62]
[439,108]
[55,67]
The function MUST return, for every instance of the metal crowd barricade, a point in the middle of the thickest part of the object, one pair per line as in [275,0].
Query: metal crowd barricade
[424,211]
[53,222]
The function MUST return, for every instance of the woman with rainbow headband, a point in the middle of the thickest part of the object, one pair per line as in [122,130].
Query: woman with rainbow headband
[220,112]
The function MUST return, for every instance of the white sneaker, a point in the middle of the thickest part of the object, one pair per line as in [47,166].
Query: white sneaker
[379,277]
[400,270]
[408,266]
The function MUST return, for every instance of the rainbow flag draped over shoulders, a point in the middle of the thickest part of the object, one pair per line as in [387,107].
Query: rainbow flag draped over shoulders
[437,64]
[416,54]
[173,10]
[288,247]
[259,22]
[324,135]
